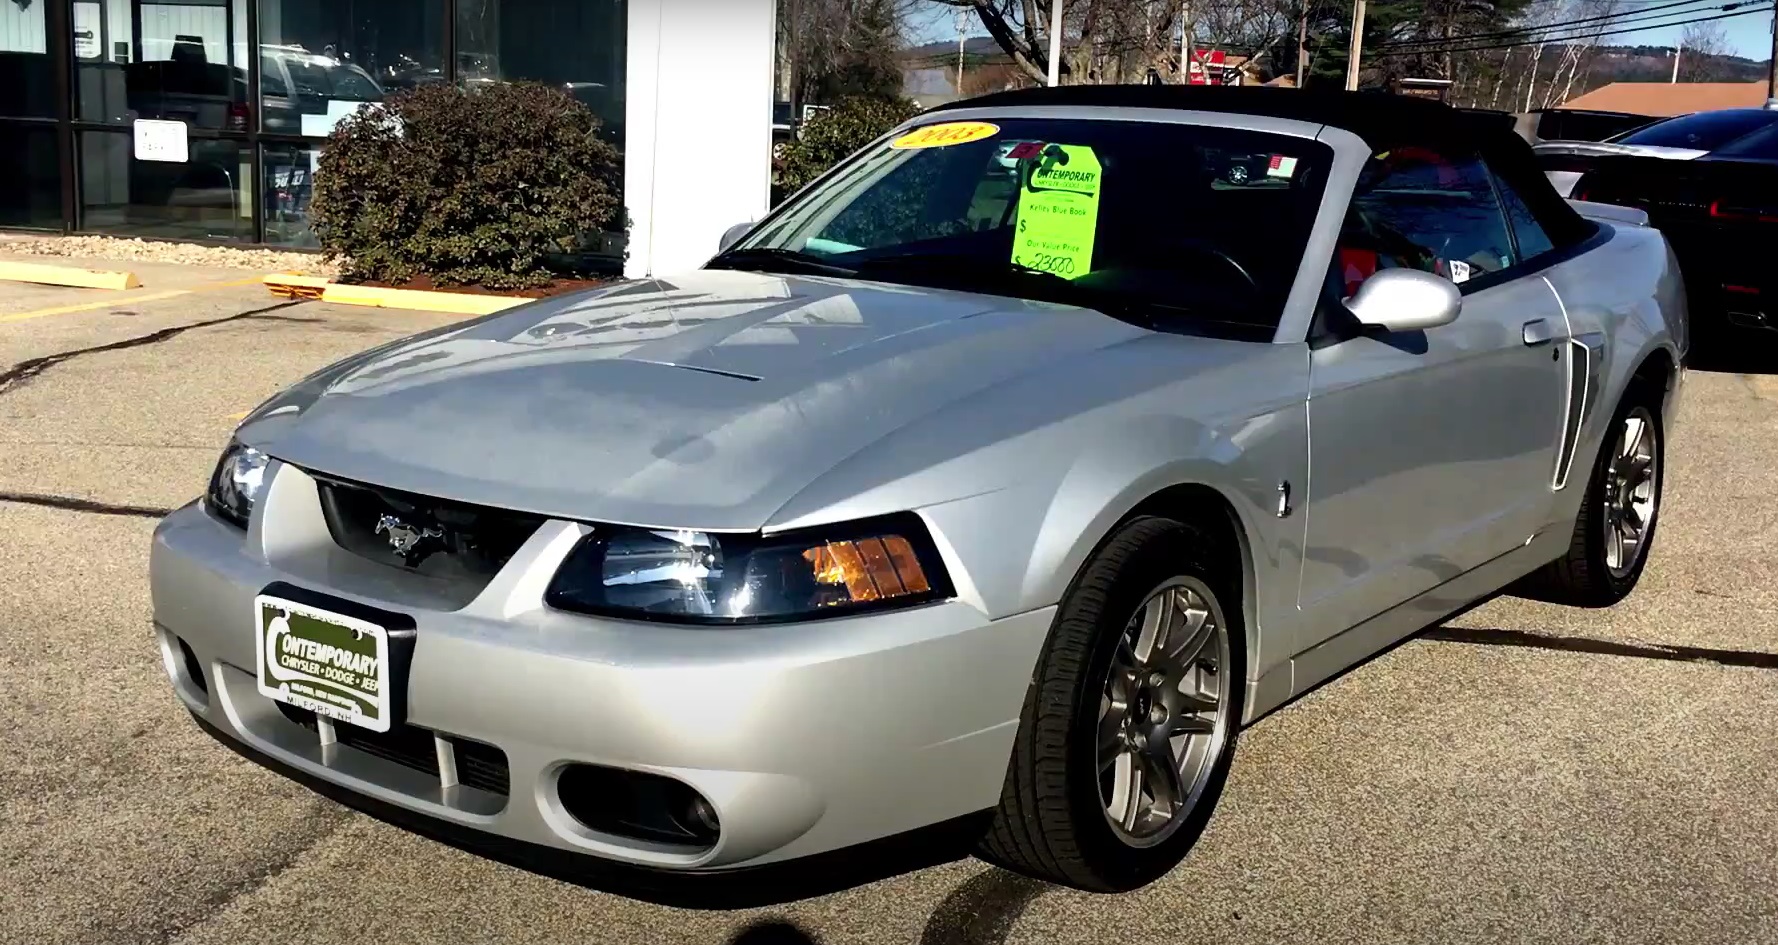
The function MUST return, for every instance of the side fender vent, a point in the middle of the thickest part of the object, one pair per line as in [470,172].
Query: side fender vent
[1580,362]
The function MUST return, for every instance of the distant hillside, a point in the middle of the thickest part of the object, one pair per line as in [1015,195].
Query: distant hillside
[1655,64]
[974,49]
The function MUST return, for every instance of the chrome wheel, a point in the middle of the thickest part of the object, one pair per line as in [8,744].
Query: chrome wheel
[1631,496]
[1163,716]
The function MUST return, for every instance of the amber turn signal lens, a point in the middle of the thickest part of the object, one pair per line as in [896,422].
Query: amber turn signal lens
[877,568]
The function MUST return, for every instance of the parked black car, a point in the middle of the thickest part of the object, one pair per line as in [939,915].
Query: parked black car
[1720,214]
[1728,132]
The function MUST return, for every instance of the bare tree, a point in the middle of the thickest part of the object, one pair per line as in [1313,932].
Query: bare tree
[1705,44]
[1020,29]
[1124,40]
[1598,15]
[1539,15]
[1500,76]
[832,49]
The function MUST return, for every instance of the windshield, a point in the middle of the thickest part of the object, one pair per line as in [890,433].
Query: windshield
[1168,219]
[1703,131]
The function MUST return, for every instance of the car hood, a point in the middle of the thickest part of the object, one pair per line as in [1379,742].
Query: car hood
[707,401]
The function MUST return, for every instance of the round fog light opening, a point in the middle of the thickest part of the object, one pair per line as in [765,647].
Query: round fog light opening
[704,815]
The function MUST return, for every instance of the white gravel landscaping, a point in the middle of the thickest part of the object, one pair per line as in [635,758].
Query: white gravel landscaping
[111,247]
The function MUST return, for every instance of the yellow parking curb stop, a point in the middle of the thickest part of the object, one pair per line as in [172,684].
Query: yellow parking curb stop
[456,303]
[46,274]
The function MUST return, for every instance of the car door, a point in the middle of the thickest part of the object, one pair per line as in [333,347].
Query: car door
[1430,452]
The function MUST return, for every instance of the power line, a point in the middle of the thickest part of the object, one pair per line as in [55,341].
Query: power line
[1547,27]
[1564,39]
[1575,36]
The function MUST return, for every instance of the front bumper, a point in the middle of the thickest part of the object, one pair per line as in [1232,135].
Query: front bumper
[805,738]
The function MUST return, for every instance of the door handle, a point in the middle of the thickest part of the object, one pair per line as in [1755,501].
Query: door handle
[1538,331]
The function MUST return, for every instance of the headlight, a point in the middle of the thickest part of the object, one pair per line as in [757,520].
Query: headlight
[236,483]
[699,577]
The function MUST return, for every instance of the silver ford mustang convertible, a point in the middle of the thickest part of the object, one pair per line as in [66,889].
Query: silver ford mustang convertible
[991,484]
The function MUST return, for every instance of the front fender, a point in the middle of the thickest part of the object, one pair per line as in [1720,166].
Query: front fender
[1021,483]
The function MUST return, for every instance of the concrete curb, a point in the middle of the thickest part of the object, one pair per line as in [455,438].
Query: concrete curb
[44,274]
[456,303]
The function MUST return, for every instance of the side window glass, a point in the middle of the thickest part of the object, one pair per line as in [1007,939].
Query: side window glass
[1533,241]
[271,79]
[1761,145]
[1422,209]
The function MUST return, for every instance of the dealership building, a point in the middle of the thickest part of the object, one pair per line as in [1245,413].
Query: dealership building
[203,119]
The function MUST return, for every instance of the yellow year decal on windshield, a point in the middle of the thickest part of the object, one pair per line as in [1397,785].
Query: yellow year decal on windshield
[1059,212]
[945,135]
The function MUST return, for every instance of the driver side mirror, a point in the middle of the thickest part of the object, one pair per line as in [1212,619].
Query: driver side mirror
[733,235]
[1406,300]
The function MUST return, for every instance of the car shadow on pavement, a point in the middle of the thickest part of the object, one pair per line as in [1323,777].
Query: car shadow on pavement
[981,911]
[1754,659]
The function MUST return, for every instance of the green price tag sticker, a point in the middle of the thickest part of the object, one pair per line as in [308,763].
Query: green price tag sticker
[1059,212]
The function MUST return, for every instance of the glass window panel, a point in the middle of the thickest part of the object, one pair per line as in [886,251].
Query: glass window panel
[209,196]
[289,184]
[174,61]
[1532,238]
[577,45]
[320,60]
[30,177]
[1422,208]
[27,79]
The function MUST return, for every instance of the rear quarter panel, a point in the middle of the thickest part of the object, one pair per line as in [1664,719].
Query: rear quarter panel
[1625,297]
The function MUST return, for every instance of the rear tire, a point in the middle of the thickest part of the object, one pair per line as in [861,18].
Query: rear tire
[1145,641]
[1603,563]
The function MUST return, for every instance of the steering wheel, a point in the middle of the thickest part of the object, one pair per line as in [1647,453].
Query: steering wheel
[1160,268]
[1213,252]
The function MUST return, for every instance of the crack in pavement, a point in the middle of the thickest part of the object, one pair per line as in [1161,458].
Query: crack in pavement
[28,370]
[1754,659]
[329,818]
[74,504]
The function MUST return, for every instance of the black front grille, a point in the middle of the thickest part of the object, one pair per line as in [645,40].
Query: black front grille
[436,537]
[479,765]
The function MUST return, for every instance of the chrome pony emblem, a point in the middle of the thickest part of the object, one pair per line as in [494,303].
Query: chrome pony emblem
[409,541]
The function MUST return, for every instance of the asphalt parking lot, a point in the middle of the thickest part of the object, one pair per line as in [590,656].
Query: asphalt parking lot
[1523,774]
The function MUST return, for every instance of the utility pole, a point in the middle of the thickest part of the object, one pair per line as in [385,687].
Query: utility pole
[962,34]
[1357,49]
[1772,67]
[1678,47]
[1055,42]
[1185,42]
[1302,43]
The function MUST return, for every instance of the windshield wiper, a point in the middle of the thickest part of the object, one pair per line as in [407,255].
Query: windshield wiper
[773,259]
[949,263]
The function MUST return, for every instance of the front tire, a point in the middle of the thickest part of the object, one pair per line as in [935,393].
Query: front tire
[1616,525]
[1130,724]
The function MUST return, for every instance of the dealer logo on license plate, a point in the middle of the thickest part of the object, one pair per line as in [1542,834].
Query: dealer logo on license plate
[328,663]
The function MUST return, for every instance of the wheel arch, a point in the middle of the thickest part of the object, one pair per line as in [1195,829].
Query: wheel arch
[1659,371]
[1207,507]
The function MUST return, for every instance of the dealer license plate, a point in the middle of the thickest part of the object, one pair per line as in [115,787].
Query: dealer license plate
[328,663]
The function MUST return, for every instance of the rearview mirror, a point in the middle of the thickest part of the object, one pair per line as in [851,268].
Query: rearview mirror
[1406,300]
[733,235]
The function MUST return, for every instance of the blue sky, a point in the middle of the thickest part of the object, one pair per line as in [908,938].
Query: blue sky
[1749,36]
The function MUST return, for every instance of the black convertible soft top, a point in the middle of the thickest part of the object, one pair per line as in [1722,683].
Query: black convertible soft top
[1381,119]
[1377,117]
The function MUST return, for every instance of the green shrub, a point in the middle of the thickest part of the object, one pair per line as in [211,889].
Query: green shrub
[465,187]
[831,136]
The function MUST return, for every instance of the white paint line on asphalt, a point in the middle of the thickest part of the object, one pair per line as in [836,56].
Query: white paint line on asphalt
[117,301]
[89,306]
